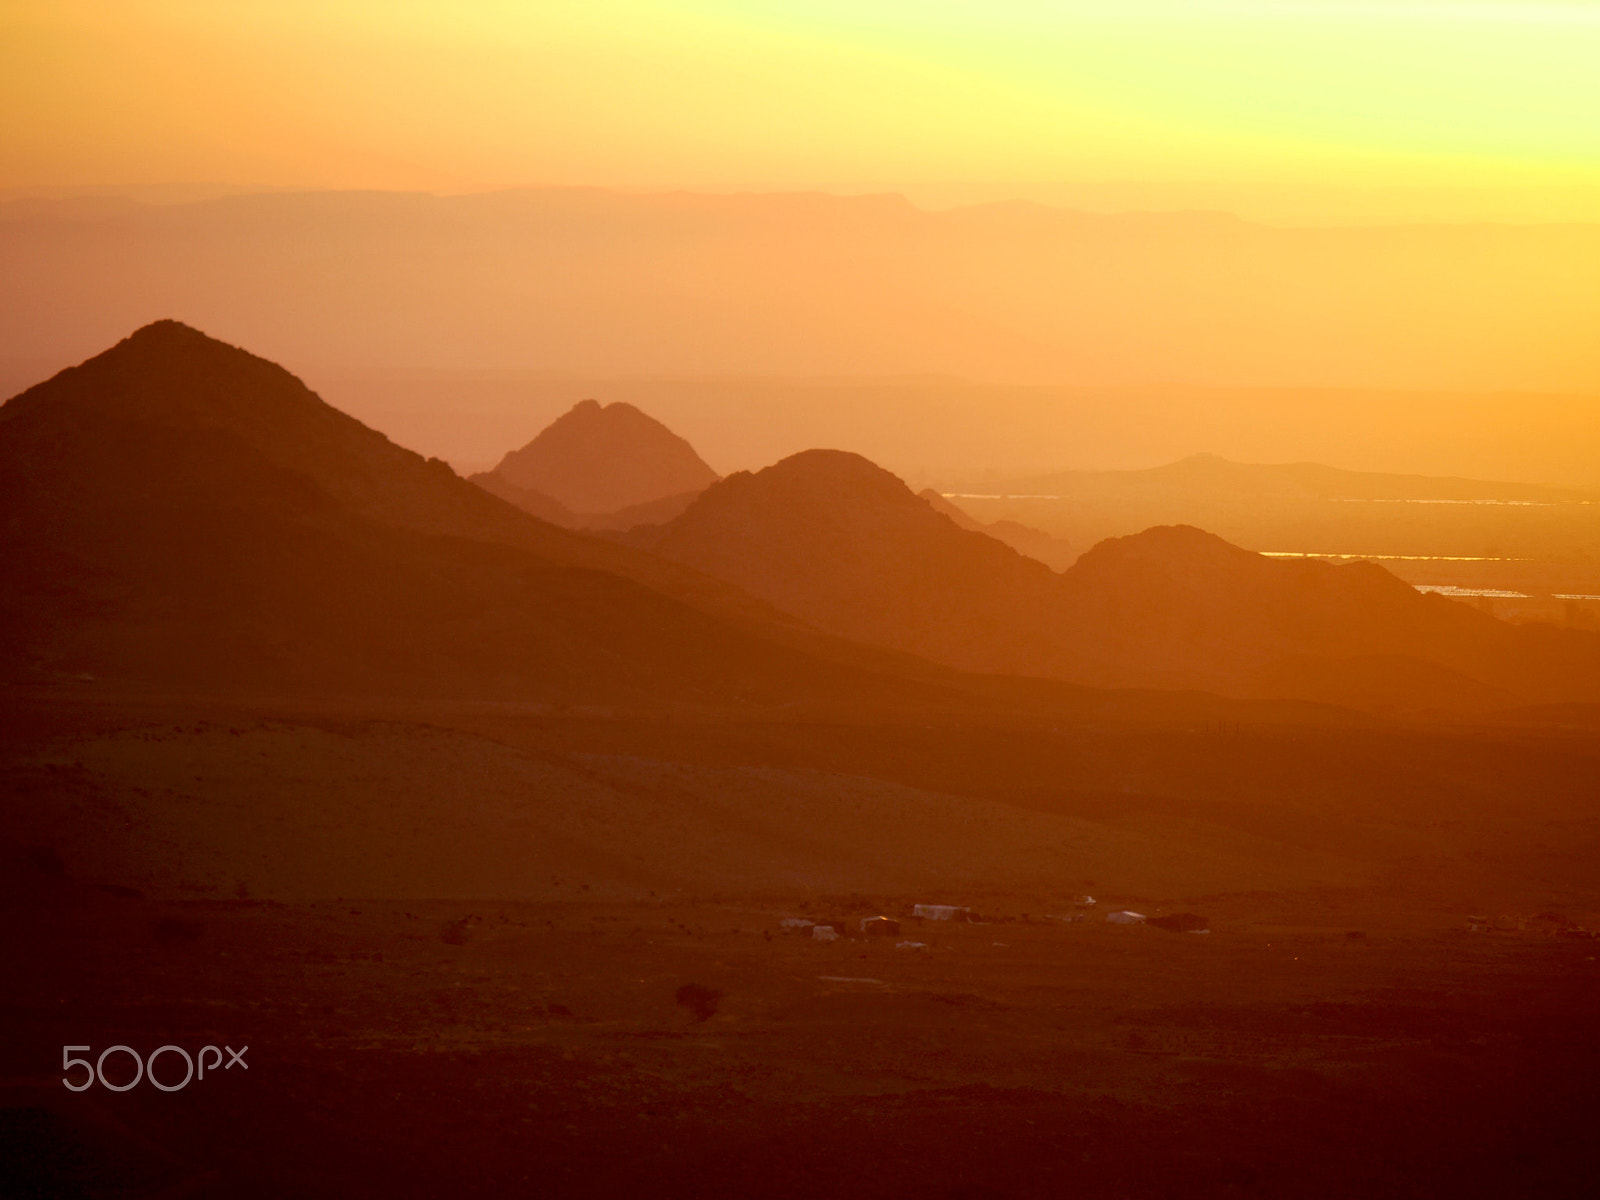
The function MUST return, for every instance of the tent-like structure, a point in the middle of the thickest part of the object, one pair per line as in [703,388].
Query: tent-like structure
[941,912]
[1125,918]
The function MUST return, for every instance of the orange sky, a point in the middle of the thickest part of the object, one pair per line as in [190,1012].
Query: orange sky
[1288,110]
[1283,112]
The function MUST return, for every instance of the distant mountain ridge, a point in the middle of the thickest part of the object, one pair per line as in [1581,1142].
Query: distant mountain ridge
[176,511]
[810,284]
[1211,473]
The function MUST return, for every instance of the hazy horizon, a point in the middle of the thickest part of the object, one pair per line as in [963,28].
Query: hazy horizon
[989,338]
[1265,202]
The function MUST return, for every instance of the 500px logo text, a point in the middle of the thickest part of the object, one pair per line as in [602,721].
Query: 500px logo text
[145,1068]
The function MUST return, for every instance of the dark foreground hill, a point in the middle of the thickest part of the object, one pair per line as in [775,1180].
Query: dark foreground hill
[176,511]
[845,545]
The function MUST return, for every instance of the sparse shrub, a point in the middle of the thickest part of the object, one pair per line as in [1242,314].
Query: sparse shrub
[701,1001]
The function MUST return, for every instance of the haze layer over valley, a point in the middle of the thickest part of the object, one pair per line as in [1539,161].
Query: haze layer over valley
[1009,337]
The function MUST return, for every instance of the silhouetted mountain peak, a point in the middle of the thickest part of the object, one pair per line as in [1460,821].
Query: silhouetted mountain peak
[1175,546]
[600,458]
[168,337]
[169,375]
[167,329]
[822,479]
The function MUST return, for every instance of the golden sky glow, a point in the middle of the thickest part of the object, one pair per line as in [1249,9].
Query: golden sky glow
[468,94]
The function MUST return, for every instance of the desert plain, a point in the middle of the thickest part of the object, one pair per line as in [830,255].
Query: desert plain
[448,990]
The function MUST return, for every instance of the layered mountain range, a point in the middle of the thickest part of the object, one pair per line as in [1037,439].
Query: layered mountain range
[810,285]
[845,545]
[176,511]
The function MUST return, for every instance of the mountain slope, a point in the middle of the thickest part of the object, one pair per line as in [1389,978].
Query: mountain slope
[546,508]
[1056,553]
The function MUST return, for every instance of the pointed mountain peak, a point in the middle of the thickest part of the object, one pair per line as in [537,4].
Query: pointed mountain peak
[170,407]
[168,373]
[173,339]
[169,330]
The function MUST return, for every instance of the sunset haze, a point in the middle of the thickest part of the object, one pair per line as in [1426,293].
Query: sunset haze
[801,599]
[1444,97]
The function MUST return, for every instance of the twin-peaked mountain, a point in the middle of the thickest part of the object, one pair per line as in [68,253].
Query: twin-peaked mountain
[599,459]
[845,545]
